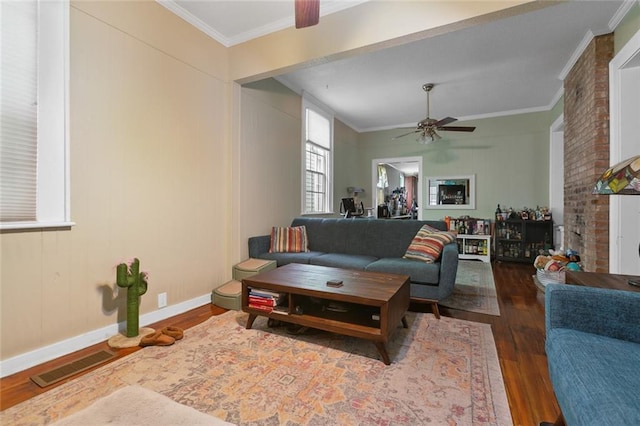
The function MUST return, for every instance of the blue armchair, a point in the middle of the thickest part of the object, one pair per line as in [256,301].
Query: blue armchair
[593,352]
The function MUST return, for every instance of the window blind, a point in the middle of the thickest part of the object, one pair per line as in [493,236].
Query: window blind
[18,110]
[318,129]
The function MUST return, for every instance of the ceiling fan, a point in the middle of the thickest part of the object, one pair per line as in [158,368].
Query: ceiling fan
[427,127]
[307,13]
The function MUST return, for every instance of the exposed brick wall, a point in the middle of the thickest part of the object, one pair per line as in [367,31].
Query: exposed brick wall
[586,150]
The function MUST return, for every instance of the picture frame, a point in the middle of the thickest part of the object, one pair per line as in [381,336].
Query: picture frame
[451,192]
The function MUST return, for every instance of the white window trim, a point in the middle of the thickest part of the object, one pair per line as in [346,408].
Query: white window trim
[310,102]
[53,197]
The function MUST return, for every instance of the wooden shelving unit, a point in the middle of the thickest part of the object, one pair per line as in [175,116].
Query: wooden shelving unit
[475,247]
[521,240]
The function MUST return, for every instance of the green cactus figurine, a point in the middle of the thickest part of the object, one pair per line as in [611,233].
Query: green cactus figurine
[128,276]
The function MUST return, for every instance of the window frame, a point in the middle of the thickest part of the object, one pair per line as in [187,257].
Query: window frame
[310,103]
[53,167]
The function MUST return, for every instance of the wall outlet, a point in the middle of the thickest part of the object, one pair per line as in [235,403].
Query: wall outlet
[162,300]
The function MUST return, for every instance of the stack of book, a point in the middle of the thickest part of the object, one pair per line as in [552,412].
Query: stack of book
[265,300]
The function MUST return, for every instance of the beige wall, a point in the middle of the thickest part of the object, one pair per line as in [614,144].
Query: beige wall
[270,154]
[346,163]
[173,163]
[149,171]
[270,159]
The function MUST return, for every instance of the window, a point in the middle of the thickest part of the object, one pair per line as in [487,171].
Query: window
[318,162]
[34,165]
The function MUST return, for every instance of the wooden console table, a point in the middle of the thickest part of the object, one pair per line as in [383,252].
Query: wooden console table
[602,280]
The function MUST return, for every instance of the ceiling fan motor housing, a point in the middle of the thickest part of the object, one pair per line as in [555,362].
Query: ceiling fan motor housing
[428,126]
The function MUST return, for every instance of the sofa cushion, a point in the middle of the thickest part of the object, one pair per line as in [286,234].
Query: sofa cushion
[291,239]
[420,272]
[286,258]
[369,237]
[595,378]
[338,260]
[427,245]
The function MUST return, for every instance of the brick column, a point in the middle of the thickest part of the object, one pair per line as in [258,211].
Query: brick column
[586,151]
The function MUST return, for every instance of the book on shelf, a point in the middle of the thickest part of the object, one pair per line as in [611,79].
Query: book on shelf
[267,301]
[267,295]
[263,308]
[264,293]
[262,301]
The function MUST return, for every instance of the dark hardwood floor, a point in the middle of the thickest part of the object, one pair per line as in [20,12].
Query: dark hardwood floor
[518,332]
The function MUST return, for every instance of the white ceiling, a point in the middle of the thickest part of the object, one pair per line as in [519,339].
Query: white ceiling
[504,67]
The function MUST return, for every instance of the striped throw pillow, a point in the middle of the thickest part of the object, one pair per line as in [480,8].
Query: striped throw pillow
[428,243]
[292,239]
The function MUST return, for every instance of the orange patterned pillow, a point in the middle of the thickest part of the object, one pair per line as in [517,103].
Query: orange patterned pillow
[292,239]
[428,243]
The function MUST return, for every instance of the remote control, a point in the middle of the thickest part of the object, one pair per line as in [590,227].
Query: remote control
[334,283]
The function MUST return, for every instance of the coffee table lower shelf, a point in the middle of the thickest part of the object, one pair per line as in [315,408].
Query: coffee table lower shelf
[335,326]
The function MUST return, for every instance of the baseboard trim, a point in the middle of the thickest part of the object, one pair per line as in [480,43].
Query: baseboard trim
[64,347]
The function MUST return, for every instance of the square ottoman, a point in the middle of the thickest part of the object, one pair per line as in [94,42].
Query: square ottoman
[251,267]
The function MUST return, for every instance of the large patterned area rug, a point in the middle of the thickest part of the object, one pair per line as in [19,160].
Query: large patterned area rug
[475,289]
[443,372]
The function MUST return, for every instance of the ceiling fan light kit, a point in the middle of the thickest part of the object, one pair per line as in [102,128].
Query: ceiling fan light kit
[427,127]
[426,138]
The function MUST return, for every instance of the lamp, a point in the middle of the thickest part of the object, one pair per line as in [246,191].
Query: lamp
[621,179]
[427,136]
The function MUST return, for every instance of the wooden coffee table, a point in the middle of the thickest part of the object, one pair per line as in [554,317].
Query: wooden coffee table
[602,280]
[368,305]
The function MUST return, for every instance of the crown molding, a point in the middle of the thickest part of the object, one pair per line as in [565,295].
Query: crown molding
[281,24]
[556,98]
[625,7]
[193,20]
[615,20]
[576,54]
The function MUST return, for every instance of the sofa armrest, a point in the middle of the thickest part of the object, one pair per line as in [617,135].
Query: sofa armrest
[605,312]
[259,245]
[448,270]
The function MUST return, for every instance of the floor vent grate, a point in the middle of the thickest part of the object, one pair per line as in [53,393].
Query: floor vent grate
[60,373]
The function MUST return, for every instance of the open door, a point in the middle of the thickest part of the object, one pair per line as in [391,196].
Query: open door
[381,187]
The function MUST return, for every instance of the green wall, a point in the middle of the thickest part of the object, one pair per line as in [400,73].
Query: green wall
[557,110]
[509,156]
[627,28]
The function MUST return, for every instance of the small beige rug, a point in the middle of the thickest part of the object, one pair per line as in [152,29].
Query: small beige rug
[475,289]
[443,372]
[135,405]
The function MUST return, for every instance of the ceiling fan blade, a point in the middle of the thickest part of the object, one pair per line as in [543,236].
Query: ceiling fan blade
[445,121]
[307,13]
[405,134]
[457,129]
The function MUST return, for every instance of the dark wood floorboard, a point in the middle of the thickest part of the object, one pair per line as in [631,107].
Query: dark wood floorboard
[518,333]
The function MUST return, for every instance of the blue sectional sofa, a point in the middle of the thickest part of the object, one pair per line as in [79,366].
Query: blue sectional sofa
[373,245]
[593,352]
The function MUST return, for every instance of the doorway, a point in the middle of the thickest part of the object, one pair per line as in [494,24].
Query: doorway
[624,211]
[410,168]
[556,180]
